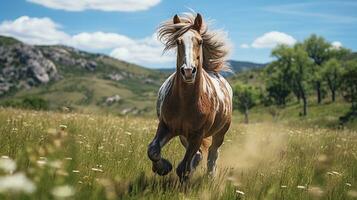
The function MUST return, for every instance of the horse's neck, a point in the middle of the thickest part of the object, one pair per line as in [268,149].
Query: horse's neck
[187,92]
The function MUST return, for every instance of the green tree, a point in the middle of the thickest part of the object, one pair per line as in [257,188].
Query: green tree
[295,66]
[332,74]
[277,89]
[317,49]
[301,73]
[349,83]
[245,97]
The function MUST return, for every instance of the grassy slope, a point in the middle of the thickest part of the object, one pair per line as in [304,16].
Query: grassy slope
[104,157]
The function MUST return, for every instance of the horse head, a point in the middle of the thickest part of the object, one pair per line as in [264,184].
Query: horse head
[189,51]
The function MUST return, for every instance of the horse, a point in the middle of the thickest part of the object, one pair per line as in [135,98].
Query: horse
[195,102]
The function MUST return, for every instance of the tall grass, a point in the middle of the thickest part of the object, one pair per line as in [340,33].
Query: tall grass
[82,156]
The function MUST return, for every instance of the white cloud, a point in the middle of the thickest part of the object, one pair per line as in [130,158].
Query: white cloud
[336,44]
[100,40]
[103,5]
[44,31]
[273,38]
[34,30]
[244,46]
[148,50]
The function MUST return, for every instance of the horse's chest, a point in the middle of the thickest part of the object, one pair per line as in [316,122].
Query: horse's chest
[180,119]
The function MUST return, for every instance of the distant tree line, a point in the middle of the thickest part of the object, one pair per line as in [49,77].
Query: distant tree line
[313,67]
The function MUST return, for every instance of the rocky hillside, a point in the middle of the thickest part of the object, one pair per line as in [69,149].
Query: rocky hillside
[66,78]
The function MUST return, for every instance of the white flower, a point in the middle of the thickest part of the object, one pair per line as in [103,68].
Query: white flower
[62,126]
[239,192]
[63,191]
[301,187]
[7,165]
[97,169]
[16,183]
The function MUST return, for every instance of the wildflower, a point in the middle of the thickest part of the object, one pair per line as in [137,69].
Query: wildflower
[336,173]
[301,187]
[239,192]
[63,191]
[75,171]
[128,133]
[97,169]
[349,184]
[55,164]
[62,127]
[283,186]
[16,183]
[7,164]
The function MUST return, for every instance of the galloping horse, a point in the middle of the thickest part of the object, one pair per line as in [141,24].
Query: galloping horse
[195,102]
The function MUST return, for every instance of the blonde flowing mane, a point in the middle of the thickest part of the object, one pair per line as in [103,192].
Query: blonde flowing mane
[215,47]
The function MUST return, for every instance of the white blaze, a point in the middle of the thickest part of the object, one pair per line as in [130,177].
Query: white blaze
[188,43]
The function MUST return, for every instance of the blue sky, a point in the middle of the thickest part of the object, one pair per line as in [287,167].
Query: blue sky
[125,30]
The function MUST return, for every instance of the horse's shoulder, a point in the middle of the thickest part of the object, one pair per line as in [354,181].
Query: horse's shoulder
[219,82]
[163,92]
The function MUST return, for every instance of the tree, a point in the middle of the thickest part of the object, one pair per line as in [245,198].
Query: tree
[295,66]
[349,83]
[317,49]
[277,89]
[331,73]
[301,73]
[245,98]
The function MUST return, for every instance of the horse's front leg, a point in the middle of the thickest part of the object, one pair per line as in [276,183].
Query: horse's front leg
[160,165]
[184,168]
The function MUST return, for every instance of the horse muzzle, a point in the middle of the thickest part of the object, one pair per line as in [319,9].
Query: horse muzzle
[188,73]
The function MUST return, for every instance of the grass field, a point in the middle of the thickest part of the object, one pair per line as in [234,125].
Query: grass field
[48,155]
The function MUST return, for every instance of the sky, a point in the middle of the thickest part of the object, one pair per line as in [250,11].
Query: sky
[125,29]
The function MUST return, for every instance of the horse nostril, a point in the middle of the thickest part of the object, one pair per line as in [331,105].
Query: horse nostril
[182,71]
[194,70]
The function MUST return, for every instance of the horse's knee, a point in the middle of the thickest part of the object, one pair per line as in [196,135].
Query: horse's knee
[154,152]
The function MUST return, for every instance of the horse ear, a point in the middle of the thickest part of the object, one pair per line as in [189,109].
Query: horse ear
[198,23]
[177,19]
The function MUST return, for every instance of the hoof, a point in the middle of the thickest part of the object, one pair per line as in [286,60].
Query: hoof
[161,167]
[182,172]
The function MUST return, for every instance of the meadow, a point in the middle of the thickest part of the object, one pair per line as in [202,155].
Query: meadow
[58,155]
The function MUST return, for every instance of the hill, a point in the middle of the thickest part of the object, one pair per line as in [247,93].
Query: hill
[236,66]
[65,77]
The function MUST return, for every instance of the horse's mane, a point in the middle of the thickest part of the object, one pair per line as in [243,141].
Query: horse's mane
[215,48]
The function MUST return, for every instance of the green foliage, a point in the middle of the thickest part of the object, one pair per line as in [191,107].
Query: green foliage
[332,73]
[245,97]
[290,72]
[277,89]
[350,82]
[34,103]
[317,49]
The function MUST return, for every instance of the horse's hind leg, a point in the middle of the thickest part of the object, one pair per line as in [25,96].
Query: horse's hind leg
[160,165]
[217,141]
